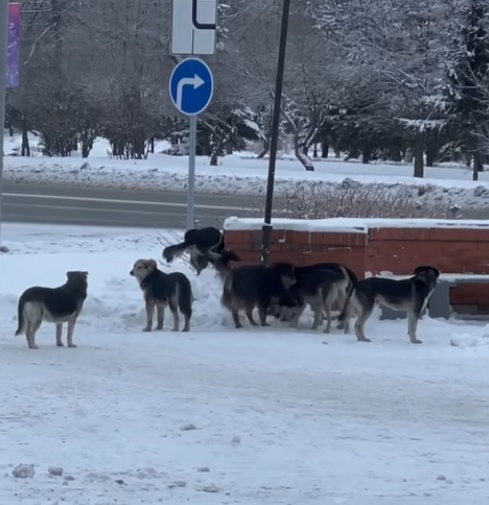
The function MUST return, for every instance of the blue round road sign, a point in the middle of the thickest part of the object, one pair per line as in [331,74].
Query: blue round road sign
[191,86]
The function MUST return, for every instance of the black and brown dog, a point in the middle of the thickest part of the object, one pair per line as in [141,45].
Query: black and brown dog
[161,289]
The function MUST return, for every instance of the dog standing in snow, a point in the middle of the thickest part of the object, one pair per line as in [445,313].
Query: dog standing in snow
[161,289]
[55,305]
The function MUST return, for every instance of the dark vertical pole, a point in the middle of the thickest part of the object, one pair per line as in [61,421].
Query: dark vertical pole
[3,78]
[267,226]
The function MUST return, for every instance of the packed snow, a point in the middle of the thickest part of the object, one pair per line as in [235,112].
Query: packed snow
[223,416]
[242,173]
[351,225]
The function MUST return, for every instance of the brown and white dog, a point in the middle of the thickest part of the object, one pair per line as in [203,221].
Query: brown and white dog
[161,289]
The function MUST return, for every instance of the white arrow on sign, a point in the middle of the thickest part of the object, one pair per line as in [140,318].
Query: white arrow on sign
[194,81]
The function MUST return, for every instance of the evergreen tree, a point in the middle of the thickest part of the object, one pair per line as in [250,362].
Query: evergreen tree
[467,79]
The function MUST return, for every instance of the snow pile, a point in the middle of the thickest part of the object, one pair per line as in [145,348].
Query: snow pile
[243,176]
[478,337]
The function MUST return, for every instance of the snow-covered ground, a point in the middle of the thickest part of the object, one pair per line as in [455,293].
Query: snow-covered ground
[242,173]
[220,416]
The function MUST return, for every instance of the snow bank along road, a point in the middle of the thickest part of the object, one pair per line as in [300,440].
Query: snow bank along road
[62,204]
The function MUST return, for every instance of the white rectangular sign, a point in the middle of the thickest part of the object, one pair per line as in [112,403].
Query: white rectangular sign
[194,27]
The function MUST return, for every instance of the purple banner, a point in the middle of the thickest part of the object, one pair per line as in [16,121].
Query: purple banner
[13,45]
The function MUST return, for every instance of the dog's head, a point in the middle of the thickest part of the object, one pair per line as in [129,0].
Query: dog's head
[142,268]
[428,274]
[78,277]
[286,272]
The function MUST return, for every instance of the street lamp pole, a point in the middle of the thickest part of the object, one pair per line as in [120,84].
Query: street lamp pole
[267,226]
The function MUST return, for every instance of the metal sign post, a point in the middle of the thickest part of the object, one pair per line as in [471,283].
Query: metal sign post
[191,88]
[194,24]
[3,80]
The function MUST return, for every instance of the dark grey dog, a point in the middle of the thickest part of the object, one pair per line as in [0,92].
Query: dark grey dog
[410,295]
[55,305]
[251,286]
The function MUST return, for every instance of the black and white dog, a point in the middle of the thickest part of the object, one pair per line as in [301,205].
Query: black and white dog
[410,295]
[199,243]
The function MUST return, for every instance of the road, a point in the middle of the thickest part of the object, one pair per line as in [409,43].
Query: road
[58,204]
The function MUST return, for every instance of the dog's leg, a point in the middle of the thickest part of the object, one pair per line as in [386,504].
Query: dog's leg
[331,296]
[160,315]
[235,314]
[70,331]
[317,306]
[318,316]
[59,333]
[294,321]
[32,328]
[173,304]
[327,308]
[150,308]
[186,325]
[413,318]
[249,314]
[363,317]
[262,312]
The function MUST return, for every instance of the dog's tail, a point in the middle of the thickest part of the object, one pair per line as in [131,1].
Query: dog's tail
[173,251]
[185,296]
[344,314]
[20,316]
[351,277]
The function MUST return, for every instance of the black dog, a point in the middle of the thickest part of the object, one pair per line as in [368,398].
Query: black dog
[251,286]
[199,242]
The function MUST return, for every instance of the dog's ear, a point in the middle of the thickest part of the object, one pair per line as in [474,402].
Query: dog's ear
[85,274]
[152,265]
[69,274]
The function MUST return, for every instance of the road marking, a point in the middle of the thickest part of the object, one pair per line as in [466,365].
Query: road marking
[129,202]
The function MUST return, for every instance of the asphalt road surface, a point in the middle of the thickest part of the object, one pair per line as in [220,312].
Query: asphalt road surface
[58,204]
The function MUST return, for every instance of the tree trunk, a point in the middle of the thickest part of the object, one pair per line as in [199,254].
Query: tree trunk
[432,153]
[152,145]
[25,147]
[366,153]
[418,151]
[303,158]
[315,151]
[266,148]
[477,166]
[324,149]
